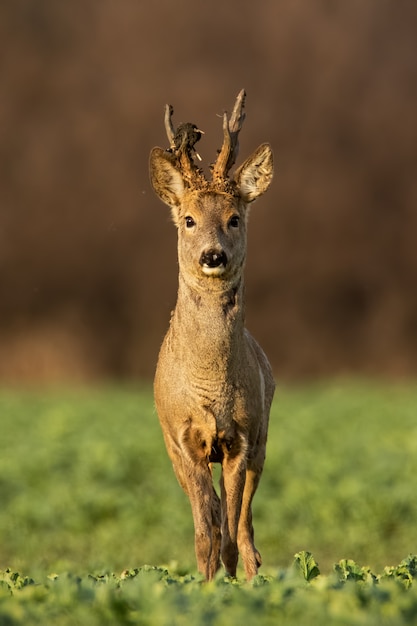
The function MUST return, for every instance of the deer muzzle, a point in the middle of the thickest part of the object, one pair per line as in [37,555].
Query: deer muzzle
[213,262]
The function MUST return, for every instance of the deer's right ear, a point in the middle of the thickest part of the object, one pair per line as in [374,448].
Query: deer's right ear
[166,180]
[255,175]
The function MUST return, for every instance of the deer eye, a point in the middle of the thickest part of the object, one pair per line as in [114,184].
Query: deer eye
[234,221]
[189,222]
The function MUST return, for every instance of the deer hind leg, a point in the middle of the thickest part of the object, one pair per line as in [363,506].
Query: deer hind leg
[216,534]
[250,555]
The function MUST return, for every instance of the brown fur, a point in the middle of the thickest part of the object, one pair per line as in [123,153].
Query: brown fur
[213,383]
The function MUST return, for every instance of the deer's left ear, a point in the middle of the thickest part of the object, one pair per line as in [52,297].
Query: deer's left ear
[254,176]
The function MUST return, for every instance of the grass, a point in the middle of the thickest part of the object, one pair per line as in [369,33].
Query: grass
[88,499]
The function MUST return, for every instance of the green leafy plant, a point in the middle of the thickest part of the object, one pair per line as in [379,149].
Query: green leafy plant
[306,565]
[88,497]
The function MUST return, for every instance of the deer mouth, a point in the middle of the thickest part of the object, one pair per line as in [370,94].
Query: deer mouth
[214,271]
[213,262]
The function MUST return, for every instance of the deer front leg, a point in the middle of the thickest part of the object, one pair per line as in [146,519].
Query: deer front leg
[194,475]
[204,506]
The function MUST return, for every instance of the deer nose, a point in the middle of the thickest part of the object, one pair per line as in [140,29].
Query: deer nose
[213,258]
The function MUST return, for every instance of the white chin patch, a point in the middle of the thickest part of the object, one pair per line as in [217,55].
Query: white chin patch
[213,271]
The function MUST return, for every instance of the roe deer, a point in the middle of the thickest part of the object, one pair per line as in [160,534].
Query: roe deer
[213,383]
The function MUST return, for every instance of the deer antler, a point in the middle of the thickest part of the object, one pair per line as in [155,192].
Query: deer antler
[230,147]
[181,145]
[183,139]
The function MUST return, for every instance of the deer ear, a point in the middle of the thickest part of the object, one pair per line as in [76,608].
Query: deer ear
[254,176]
[166,180]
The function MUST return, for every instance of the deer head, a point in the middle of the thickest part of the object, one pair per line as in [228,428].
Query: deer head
[211,215]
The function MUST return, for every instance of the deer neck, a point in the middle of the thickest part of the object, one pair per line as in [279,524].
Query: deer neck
[210,324]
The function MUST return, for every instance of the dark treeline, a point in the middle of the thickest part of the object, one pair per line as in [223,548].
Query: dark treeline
[87,253]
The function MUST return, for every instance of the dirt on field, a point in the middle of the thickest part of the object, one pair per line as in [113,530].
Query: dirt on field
[88,265]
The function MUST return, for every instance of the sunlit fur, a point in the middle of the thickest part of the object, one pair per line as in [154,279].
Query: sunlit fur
[213,383]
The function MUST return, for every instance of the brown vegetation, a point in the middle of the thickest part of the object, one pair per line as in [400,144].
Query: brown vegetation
[87,279]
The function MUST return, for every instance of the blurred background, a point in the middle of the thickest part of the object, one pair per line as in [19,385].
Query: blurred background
[88,269]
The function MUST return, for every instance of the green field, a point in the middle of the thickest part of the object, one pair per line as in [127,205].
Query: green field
[95,530]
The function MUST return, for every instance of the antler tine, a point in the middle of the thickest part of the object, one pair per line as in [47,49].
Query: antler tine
[230,148]
[169,128]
